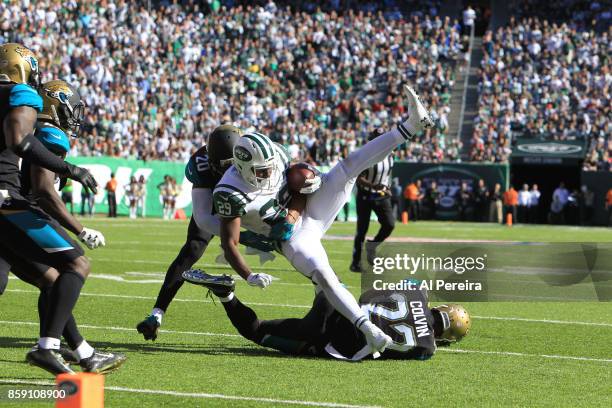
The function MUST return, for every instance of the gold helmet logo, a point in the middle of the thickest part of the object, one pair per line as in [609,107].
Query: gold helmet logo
[456,323]
[62,105]
[18,64]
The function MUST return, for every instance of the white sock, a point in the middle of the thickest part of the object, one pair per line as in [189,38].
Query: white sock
[227,298]
[84,350]
[49,343]
[158,313]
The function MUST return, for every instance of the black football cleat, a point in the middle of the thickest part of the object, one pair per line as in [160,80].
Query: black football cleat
[102,362]
[49,360]
[220,285]
[148,328]
[68,355]
[355,268]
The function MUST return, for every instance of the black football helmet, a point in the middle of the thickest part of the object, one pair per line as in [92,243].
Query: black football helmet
[220,147]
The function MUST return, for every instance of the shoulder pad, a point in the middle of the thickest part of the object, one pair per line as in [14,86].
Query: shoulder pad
[54,139]
[198,170]
[229,204]
[25,95]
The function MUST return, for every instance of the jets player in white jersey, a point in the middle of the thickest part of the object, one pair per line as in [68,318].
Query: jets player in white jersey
[253,194]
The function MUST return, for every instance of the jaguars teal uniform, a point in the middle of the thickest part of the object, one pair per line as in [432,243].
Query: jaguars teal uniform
[201,175]
[324,332]
[27,232]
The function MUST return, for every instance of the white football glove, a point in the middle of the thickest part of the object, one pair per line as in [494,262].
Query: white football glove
[261,280]
[92,238]
[311,185]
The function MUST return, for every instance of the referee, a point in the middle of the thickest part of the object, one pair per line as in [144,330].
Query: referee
[373,194]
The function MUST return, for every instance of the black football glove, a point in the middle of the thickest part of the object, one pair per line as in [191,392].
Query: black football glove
[83,176]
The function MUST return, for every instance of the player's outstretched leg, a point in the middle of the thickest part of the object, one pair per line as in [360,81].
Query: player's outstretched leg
[191,252]
[337,184]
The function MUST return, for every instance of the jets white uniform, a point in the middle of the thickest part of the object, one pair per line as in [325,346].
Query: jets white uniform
[258,209]
[235,197]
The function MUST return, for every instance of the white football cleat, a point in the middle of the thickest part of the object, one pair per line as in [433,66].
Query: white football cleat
[376,338]
[418,116]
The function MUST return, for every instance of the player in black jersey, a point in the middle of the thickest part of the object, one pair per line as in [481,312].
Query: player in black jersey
[204,170]
[62,113]
[29,234]
[405,316]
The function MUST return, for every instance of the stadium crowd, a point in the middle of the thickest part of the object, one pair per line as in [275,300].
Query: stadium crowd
[157,80]
[543,78]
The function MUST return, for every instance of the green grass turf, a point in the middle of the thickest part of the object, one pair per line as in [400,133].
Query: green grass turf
[205,362]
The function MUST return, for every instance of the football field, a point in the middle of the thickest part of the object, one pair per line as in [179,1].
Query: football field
[517,354]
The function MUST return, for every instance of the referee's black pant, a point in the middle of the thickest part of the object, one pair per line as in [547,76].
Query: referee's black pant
[383,210]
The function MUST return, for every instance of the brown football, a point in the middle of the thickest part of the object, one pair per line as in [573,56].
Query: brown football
[297,175]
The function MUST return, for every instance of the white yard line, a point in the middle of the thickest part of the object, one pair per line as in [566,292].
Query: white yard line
[509,318]
[202,395]
[107,295]
[450,350]
[511,353]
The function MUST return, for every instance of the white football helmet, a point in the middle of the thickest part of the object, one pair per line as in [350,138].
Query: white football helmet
[256,158]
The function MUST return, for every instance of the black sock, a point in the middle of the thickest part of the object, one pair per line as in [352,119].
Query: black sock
[190,253]
[43,307]
[65,293]
[71,333]
[243,318]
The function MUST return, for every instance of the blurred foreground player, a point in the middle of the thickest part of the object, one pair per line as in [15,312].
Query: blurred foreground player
[62,113]
[27,232]
[405,316]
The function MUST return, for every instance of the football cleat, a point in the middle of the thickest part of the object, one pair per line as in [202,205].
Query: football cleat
[68,355]
[102,362]
[418,117]
[375,337]
[49,360]
[149,327]
[355,267]
[371,247]
[220,285]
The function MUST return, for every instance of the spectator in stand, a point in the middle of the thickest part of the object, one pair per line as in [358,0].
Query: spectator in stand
[545,75]
[464,199]
[534,204]
[157,80]
[111,197]
[524,203]
[510,202]
[469,16]
[496,205]
[481,202]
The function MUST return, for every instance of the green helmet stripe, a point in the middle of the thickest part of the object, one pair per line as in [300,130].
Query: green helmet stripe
[259,143]
[268,142]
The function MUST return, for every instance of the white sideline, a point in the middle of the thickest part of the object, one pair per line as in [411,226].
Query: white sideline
[202,395]
[518,319]
[450,350]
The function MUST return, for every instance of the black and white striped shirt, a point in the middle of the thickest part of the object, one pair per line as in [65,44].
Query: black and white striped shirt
[380,173]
